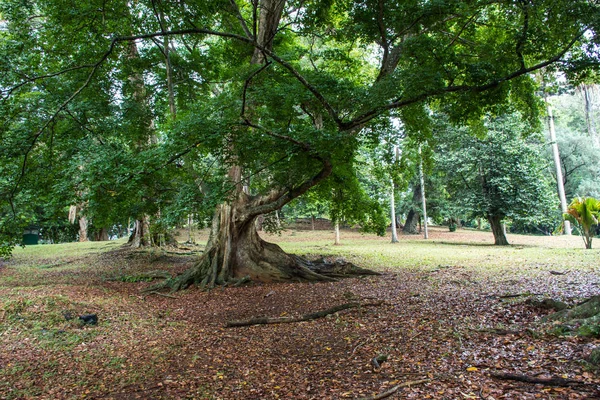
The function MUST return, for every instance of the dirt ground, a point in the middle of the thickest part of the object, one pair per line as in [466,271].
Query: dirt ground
[449,328]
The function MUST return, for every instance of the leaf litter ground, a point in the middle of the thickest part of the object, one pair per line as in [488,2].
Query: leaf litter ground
[446,317]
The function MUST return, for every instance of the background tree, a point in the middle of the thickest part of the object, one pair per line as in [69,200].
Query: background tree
[579,161]
[498,174]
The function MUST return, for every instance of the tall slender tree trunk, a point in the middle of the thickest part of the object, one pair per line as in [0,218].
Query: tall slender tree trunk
[140,236]
[559,176]
[190,229]
[337,233]
[393,214]
[498,230]
[423,200]
[588,97]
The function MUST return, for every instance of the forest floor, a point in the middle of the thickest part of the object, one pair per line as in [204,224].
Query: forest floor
[449,314]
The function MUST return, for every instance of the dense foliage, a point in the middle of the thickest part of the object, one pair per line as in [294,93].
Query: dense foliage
[139,108]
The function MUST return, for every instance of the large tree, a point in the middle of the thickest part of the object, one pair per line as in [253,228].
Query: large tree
[280,92]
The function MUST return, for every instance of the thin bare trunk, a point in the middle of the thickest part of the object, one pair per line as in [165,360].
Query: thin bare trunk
[393,214]
[558,167]
[337,233]
[588,98]
[190,229]
[423,200]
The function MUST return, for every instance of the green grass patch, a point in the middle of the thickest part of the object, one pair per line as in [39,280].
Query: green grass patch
[50,321]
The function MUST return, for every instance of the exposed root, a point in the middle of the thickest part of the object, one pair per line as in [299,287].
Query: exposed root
[582,319]
[337,269]
[305,317]
[206,273]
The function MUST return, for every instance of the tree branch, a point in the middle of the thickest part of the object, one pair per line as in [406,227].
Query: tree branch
[398,103]
[523,37]
[247,84]
[277,199]
[239,16]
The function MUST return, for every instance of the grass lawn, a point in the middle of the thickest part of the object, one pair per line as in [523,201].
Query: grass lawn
[444,320]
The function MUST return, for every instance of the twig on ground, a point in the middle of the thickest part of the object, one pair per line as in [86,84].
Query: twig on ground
[163,294]
[356,347]
[305,317]
[512,296]
[553,381]
[496,331]
[395,389]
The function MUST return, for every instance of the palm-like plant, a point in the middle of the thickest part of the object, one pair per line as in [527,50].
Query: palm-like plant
[584,211]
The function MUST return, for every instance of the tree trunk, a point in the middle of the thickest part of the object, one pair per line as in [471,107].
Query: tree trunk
[587,92]
[101,235]
[498,231]
[412,222]
[423,199]
[559,176]
[83,226]
[140,236]
[191,238]
[236,253]
[337,233]
[413,217]
[393,214]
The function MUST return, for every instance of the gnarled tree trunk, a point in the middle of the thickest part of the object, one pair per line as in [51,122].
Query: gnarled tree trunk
[498,230]
[140,236]
[235,252]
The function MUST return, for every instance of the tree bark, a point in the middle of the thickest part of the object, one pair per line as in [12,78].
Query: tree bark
[498,231]
[393,214]
[559,176]
[413,217]
[587,92]
[101,235]
[235,251]
[140,236]
[423,199]
[83,226]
